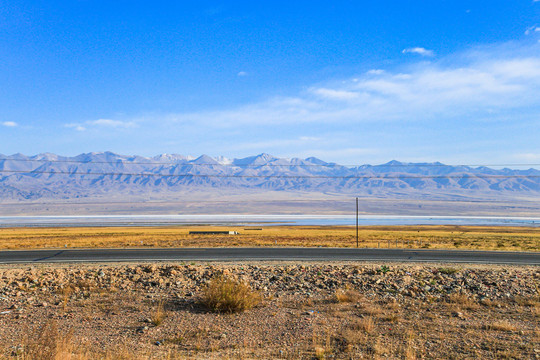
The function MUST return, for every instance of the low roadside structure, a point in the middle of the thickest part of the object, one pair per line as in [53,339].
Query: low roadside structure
[220,232]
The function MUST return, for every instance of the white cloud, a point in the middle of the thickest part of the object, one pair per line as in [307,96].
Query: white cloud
[480,83]
[77,127]
[333,94]
[101,123]
[441,109]
[527,157]
[111,123]
[242,73]
[309,138]
[418,50]
[10,123]
[532,29]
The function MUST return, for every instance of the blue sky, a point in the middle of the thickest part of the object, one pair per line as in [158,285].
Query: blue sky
[347,81]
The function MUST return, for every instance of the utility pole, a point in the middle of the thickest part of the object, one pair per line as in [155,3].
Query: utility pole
[356,222]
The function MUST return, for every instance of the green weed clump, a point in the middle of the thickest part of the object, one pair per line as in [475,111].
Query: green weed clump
[224,294]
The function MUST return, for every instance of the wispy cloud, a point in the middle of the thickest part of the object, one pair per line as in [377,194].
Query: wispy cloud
[309,138]
[527,157]
[10,123]
[108,123]
[418,50]
[334,94]
[484,84]
[467,97]
[532,29]
[481,101]
[111,123]
[242,73]
[77,127]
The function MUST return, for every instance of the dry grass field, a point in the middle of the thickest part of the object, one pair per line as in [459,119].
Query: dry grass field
[427,237]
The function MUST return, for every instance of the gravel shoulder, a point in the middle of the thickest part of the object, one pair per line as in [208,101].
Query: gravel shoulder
[310,310]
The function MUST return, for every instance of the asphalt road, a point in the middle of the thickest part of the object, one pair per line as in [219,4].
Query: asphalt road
[268,254]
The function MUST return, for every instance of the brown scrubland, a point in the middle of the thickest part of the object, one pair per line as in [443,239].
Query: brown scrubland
[427,237]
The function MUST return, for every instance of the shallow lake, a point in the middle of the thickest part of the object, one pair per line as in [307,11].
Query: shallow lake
[242,220]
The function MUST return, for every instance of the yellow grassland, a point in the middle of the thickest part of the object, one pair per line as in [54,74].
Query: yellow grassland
[427,237]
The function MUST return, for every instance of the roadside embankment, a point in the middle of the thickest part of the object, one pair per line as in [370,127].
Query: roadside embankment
[339,310]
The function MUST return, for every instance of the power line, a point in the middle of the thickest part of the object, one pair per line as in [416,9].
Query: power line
[127,162]
[351,177]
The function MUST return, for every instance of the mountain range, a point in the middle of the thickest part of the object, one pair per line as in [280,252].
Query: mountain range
[105,174]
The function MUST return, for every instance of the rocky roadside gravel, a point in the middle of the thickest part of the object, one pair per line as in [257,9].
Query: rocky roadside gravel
[50,290]
[393,280]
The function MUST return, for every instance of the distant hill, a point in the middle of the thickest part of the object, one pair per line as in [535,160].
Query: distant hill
[101,175]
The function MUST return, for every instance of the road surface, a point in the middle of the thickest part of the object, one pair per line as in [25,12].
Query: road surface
[268,254]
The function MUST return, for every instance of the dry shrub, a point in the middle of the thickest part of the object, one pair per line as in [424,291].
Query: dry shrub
[391,304]
[491,303]
[365,324]
[502,325]
[224,294]
[328,343]
[391,317]
[373,310]
[66,293]
[46,343]
[459,298]
[354,337]
[159,314]
[508,354]
[347,296]
[375,348]
[529,301]
[410,352]
[464,300]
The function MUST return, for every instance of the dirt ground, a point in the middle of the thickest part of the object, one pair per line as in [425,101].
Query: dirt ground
[308,311]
